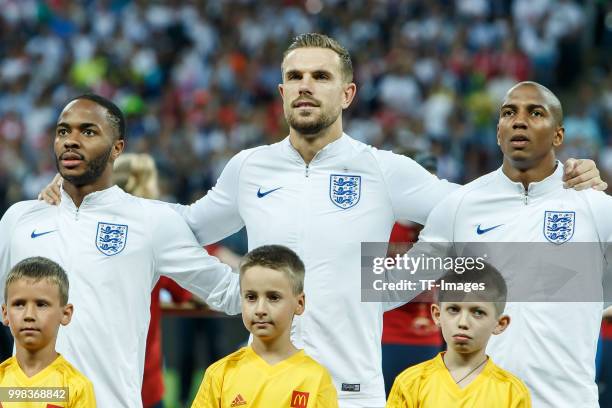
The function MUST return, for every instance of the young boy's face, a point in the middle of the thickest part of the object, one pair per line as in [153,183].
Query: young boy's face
[268,302]
[467,326]
[34,313]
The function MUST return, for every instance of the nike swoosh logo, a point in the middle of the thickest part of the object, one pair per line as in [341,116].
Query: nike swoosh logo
[35,235]
[265,193]
[481,231]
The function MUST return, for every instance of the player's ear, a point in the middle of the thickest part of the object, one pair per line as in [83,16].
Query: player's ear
[281,90]
[67,314]
[559,135]
[350,90]
[118,147]
[4,315]
[502,324]
[301,304]
[435,313]
[497,135]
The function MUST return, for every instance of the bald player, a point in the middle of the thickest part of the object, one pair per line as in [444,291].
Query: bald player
[550,345]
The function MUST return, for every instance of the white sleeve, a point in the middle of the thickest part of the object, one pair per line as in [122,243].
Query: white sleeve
[7,225]
[435,241]
[179,256]
[216,215]
[440,225]
[413,190]
[601,209]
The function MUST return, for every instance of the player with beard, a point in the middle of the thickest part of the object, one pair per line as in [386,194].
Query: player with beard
[114,247]
[322,193]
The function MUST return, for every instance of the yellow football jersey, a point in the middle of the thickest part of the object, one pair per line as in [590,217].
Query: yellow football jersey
[60,373]
[430,385]
[245,380]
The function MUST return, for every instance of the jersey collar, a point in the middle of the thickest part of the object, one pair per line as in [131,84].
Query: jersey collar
[552,183]
[335,148]
[92,199]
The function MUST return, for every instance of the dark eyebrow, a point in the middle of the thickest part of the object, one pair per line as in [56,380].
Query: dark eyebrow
[316,72]
[536,106]
[323,71]
[81,126]
[529,107]
[292,72]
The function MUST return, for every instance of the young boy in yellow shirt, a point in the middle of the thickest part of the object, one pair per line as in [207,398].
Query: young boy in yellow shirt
[270,372]
[37,376]
[464,376]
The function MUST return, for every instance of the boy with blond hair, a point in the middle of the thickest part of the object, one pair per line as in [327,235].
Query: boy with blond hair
[464,376]
[37,376]
[271,372]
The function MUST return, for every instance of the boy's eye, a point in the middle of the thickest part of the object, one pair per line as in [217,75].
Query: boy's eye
[452,309]
[479,313]
[250,297]
[274,298]
[536,113]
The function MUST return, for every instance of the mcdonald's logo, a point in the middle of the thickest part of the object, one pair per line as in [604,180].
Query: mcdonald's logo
[299,399]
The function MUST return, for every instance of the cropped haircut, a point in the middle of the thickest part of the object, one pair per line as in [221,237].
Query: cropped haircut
[493,284]
[113,113]
[38,268]
[279,258]
[316,40]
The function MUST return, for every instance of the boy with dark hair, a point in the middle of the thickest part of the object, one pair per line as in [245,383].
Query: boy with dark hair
[36,304]
[469,309]
[270,372]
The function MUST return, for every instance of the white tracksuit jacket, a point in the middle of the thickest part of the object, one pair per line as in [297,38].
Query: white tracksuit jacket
[550,345]
[113,248]
[348,194]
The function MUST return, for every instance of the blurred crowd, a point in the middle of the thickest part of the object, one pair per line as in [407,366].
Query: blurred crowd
[198,79]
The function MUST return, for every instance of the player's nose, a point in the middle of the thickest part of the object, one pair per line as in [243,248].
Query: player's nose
[71,142]
[305,85]
[520,121]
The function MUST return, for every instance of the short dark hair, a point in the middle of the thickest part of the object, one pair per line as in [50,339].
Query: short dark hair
[279,258]
[114,114]
[492,284]
[316,40]
[39,268]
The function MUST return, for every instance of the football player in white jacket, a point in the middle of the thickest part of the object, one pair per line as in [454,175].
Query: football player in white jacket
[114,247]
[550,345]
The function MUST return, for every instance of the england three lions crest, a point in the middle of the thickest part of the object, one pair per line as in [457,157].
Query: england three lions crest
[111,238]
[344,190]
[559,226]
